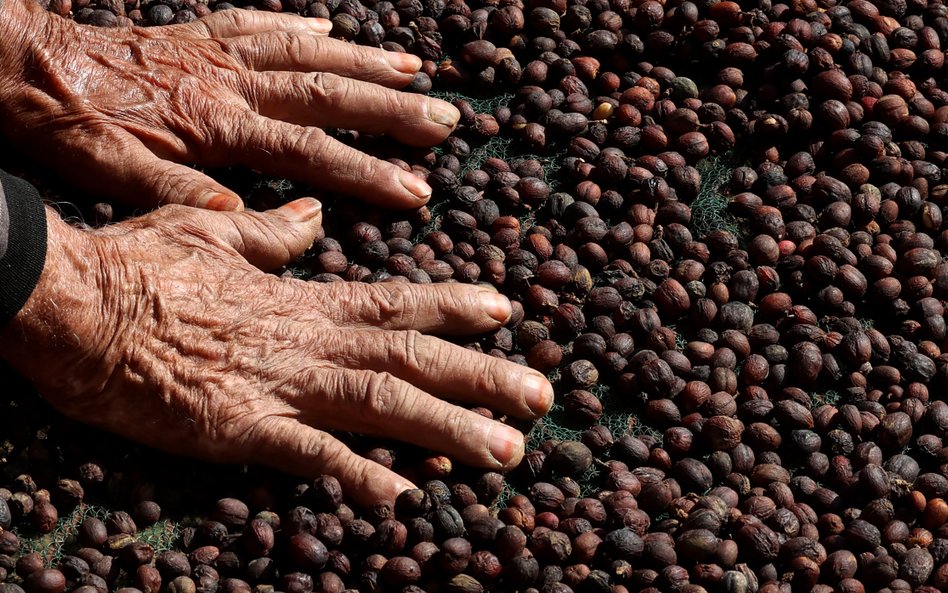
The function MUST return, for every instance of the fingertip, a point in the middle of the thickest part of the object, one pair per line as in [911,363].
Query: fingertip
[302,210]
[506,445]
[401,485]
[404,63]
[537,393]
[382,485]
[419,189]
[496,305]
[320,26]
[219,201]
[443,113]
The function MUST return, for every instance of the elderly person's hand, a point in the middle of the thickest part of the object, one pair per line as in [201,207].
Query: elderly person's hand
[163,330]
[119,112]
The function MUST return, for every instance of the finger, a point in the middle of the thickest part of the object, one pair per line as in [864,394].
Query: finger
[268,240]
[381,404]
[303,53]
[450,371]
[232,23]
[327,100]
[309,155]
[140,177]
[295,448]
[460,309]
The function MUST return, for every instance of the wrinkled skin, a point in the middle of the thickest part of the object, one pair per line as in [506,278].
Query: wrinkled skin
[132,106]
[162,329]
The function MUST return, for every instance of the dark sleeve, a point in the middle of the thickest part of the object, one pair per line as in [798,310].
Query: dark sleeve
[22,243]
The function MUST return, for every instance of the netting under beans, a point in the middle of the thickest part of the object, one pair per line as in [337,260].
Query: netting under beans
[62,540]
[709,208]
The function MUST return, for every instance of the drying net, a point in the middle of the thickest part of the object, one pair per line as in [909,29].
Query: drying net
[709,208]
[62,540]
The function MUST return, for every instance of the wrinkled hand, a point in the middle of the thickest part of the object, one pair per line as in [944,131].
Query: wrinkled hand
[131,105]
[162,330]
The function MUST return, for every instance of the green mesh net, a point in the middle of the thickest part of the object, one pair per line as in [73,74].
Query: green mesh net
[709,208]
[52,546]
[827,397]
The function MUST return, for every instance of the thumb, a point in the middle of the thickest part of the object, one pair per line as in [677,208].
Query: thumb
[142,178]
[269,239]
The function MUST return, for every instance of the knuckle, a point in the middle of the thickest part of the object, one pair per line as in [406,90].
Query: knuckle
[164,187]
[196,117]
[327,88]
[269,230]
[458,427]
[310,142]
[233,19]
[315,449]
[351,469]
[489,375]
[301,49]
[406,106]
[171,212]
[364,59]
[324,451]
[393,103]
[234,231]
[253,440]
[345,391]
[387,303]
[364,166]
[449,302]
[173,187]
[267,433]
[376,395]
[385,397]
[404,349]
[242,53]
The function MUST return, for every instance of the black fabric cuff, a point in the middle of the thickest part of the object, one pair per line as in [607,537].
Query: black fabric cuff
[22,263]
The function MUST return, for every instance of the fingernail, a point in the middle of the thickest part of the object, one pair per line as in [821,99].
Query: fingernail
[415,185]
[302,210]
[443,113]
[404,63]
[538,393]
[505,443]
[218,201]
[496,305]
[320,25]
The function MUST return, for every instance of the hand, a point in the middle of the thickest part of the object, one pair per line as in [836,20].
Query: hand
[162,330]
[130,105]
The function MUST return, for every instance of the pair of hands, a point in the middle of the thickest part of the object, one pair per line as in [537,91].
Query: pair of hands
[164,329]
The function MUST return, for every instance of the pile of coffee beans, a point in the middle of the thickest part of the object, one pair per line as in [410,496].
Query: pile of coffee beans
[784,354]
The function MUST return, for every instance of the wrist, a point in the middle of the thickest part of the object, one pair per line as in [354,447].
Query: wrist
[55,321]
[22,243]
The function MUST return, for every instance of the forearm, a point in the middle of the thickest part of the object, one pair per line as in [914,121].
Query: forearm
[47,287]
